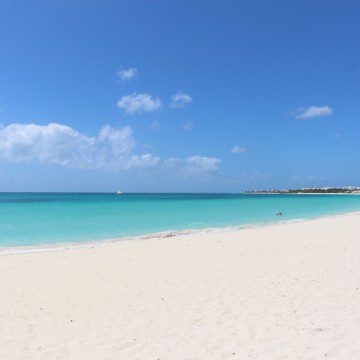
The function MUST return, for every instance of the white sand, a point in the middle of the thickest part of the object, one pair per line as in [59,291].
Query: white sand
[287,291]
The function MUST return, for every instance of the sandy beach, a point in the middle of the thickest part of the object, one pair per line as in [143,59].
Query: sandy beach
[289,291]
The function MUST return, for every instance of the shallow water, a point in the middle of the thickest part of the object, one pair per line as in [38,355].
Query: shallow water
[48,218]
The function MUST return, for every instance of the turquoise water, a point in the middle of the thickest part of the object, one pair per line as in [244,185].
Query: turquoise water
[47,218]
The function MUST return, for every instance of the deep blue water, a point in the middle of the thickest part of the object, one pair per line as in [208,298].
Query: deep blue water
[47,218]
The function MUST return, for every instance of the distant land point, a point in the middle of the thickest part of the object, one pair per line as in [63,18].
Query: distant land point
[313,190]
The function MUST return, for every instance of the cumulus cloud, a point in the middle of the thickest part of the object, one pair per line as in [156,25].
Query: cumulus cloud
[57,144]
[237,149]
[314,111]
[180,99]
[192,166]
[127,74]
[138,103]
[203,163]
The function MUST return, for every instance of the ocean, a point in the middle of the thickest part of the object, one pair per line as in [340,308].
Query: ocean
[54,218]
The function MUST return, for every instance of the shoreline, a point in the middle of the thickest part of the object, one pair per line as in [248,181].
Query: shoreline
[271,292]
[64,246]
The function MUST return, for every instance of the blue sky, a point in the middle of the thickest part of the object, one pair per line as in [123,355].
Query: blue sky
[178,95]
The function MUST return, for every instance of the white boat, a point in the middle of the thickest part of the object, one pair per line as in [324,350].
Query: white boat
[119,193]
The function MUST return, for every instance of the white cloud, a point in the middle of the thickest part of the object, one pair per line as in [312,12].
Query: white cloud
[56,144]
[187,125]
[180,99]
[138,103]
[202,163]
[171,162]
[314,111]
[127,74]
[192,166]
[237,149]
